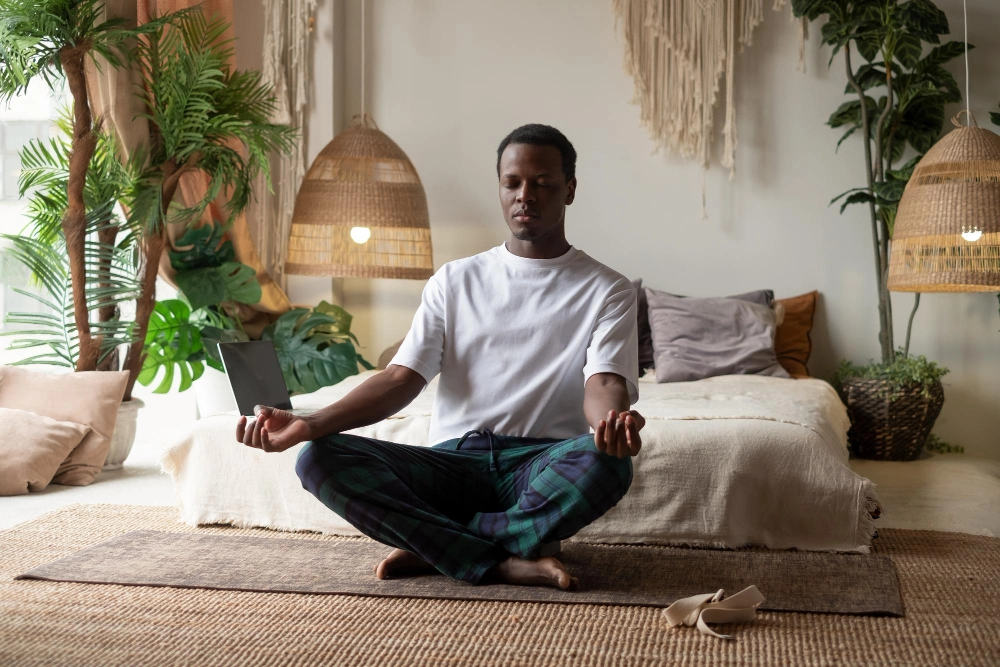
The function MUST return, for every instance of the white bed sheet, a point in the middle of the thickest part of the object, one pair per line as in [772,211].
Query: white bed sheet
[729,461]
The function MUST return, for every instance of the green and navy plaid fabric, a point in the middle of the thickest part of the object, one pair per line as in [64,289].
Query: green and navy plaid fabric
[467,504]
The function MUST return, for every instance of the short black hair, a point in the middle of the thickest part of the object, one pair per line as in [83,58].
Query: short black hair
[542,135]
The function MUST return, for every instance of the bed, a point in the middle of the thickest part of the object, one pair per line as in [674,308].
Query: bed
[726,462]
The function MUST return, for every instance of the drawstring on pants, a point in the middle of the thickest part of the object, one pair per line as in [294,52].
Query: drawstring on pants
[489,435]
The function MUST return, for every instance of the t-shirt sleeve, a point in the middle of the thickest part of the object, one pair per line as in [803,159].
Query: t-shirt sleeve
[423,347]
[614,343]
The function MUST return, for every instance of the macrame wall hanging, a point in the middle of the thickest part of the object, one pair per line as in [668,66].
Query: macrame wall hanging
[678,53]
[287,35]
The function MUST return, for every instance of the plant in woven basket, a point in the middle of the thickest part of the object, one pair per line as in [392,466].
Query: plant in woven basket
[898,110]
[893,405]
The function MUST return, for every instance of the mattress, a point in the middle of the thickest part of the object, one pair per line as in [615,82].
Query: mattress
[726,462]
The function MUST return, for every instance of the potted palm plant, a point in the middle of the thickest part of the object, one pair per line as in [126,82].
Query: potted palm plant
[898,97]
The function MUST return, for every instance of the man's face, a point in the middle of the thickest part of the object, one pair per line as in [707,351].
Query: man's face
[533,190]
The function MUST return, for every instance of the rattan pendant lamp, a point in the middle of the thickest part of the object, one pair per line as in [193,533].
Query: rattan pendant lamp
[947,230]
[361,211]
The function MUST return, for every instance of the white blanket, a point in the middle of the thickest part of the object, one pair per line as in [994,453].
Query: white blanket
[730,461]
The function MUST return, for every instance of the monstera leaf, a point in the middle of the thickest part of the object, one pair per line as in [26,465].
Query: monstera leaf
[230,281]
[173,344]
[309,358]
[341,326]
[207,249]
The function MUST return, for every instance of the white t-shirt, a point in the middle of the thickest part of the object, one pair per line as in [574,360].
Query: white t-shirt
[516,339]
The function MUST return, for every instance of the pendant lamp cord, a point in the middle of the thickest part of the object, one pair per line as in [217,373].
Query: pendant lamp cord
[364,2]
[965,19]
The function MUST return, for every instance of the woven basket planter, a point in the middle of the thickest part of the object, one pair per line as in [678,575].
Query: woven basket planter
[890,430]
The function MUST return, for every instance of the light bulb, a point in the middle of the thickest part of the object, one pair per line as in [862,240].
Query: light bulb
[972,235]
[360,234]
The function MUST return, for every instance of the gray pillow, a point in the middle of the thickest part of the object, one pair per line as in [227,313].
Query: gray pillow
[698,338]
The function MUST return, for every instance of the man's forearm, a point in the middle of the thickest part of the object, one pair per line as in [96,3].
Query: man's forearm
[375,399]
[602,395]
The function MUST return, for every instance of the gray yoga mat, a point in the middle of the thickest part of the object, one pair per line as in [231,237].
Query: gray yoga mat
[616,575]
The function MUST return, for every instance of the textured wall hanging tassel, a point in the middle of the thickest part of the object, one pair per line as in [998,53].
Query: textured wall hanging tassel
[287,35]
[677,51]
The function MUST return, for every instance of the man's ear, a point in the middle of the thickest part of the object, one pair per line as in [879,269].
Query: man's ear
[571,194]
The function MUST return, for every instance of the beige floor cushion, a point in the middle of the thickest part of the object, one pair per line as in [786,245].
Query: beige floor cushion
[31,449]
[90,398]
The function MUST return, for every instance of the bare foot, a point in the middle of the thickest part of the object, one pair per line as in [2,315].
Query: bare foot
[541,572]
[401,562]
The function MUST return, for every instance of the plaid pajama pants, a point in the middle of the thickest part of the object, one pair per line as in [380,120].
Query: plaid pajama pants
[466,504]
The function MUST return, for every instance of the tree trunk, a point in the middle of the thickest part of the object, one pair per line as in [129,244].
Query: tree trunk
[107,236]
[153,244]
[74,222]
[884,342]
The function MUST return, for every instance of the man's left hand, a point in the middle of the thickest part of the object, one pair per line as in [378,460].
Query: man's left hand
[618,435]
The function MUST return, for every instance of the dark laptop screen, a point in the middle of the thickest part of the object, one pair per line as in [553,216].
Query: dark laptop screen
[255,375]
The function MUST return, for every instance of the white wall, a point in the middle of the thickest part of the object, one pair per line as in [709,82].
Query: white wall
[447,79]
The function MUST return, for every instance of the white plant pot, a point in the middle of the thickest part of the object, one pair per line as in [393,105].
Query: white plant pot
[123,437]
[213,394]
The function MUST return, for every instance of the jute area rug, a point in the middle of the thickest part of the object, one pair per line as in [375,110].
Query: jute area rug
[948,583]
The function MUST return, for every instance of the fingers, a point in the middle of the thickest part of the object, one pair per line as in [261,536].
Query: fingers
[265,439]
[599,434]
[632,435]
[247,432]
[241,427]
[257,426]
[621,442]
[611,434]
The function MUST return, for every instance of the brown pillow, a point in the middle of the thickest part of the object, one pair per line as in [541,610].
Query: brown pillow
[792,342]
[31,449]
[90,398]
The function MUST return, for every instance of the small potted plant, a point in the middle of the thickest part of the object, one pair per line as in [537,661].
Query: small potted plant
[898,103]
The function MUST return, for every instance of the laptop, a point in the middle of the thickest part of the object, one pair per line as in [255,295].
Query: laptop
[255,376]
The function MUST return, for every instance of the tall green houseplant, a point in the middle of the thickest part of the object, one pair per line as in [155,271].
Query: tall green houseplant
[50,40]
[897,109]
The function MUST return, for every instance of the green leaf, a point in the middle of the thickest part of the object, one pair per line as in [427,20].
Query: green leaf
[941,54]
[231,281]
[308,359]
[341,318]
[856,198]
[995,117]
[171,343]
[909,48]
[890,190]
[924,19]
[869,46]
[202,247]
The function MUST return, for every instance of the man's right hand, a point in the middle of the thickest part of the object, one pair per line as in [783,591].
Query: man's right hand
[274,430]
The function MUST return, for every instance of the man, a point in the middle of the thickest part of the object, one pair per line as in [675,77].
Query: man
[534,341]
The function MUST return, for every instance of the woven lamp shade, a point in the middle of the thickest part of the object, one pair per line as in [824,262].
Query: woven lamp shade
[361,181]
[954,189]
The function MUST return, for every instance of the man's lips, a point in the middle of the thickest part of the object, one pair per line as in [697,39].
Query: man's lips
[524,216]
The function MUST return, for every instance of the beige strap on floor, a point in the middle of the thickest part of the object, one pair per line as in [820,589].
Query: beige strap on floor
[701,610]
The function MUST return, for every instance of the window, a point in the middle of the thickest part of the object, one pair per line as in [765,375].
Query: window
[26,117]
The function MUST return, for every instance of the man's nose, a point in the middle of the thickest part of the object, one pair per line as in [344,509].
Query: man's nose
[525,193]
